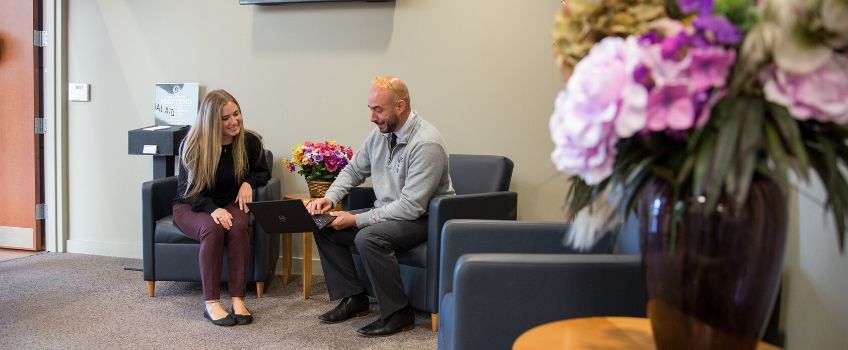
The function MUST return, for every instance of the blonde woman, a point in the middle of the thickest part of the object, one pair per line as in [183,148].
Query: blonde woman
[220,165]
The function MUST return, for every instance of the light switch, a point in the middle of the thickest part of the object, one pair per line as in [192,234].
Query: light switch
[78,92]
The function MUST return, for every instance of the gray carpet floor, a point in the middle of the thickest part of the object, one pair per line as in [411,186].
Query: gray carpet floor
[75,301]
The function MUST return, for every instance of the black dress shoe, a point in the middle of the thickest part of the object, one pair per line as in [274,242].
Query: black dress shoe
[355,306]
[401,320]
[226,321]
[241,319]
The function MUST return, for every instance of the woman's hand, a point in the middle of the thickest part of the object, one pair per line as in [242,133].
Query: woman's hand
[245,195]
[222,217]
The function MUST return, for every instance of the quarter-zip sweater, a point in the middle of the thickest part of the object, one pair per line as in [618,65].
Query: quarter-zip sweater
[404,178]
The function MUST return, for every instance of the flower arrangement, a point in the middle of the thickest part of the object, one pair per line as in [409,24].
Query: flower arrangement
[704,94]
[318,161]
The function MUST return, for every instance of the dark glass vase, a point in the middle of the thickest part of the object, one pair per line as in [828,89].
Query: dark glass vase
[712,285]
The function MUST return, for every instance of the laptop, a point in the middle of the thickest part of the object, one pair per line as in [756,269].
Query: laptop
[287,216]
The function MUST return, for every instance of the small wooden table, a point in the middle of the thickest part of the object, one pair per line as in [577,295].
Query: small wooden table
[594,333]
[307,249]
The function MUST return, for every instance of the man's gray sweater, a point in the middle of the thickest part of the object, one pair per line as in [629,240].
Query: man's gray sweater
[404,179]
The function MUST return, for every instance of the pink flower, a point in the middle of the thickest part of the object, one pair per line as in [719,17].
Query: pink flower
[710,67]
[582,125]
[820,95]
[670,107]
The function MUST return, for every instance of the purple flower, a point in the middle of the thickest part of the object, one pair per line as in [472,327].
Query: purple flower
[718,28]
[675,47]
[821,95]
[710,67]
[642,75]
[670,107]
[699,6]
[317,157]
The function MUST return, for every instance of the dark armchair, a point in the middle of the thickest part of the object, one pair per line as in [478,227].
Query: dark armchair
[481,183]
[169,255]
[499,279]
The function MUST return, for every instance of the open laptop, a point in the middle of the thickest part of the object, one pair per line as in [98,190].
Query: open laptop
[287,216]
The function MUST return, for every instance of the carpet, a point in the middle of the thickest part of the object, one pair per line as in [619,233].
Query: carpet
[76,301]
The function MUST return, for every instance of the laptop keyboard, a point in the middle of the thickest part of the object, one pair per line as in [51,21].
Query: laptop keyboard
[322,220]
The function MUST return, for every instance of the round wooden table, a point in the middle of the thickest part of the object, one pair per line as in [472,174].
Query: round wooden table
[594,333]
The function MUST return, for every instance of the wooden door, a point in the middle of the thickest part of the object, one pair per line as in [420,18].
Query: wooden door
[20,153]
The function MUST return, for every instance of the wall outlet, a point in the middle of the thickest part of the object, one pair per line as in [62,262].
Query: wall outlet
[78,92]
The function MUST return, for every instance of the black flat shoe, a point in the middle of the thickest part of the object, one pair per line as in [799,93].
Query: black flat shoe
[401,320]
[226,321]
[348,308]
[241,319]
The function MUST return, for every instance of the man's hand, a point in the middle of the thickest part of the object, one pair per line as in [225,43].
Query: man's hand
[245,195]
[319,206]
[222,217]
[343,220]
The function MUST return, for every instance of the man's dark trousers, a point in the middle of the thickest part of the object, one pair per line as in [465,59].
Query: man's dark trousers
[378,246]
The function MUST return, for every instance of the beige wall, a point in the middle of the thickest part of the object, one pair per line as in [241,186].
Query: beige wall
[480,70]
[302,72]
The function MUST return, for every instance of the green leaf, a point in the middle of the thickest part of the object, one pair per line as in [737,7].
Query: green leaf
[775,152]
[791,136]
[733,110]
[750,143]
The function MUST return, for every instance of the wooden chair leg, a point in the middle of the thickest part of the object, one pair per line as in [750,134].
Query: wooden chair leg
[434,322]
[260,289]
[151,287]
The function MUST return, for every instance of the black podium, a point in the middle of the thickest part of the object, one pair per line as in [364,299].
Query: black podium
[163,143]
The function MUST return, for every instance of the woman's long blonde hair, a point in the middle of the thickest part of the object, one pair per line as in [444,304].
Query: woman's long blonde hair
[201,148]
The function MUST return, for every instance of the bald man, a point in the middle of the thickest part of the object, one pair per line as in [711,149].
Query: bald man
[407,161]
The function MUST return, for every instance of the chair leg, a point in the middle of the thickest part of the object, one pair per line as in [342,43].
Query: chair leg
[260,289]
[151,287]
[434,322]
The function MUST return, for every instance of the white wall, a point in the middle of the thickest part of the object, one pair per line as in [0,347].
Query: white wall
[480,70]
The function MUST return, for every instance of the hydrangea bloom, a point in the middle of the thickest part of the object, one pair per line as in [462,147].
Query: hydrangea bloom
[820,95]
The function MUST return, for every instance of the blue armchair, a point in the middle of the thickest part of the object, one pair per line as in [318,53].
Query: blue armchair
[170,255]
[481,183]
[499,279]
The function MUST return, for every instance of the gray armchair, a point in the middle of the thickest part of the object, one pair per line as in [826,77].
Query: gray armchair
[499,279]
[169,255]
[481,183]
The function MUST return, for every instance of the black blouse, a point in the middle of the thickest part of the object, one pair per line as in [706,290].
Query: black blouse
[225,189]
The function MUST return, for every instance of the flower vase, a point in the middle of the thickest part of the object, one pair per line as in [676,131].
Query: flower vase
[711,284]
[318,188]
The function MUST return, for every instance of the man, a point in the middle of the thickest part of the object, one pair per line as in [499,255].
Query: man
[406,158]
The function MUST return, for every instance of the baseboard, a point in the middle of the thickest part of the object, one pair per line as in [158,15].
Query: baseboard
[133,251]
[121,250]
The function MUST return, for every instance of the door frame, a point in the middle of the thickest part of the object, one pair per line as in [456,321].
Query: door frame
[55,112]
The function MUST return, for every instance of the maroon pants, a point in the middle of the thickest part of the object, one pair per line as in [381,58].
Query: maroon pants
[212,238]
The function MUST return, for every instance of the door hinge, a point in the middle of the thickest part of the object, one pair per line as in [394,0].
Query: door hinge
[40,126]
[40,211]
[39,38]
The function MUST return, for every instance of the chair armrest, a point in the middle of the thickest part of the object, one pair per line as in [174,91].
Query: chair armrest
[499,296]
[460,237]
[268,192]
[490,205]
[156,202]
[359,198]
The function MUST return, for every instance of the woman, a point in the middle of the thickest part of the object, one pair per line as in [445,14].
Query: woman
[220,165]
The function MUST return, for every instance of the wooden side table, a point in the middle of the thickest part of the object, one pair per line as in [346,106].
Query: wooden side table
[594,333]
[307,249]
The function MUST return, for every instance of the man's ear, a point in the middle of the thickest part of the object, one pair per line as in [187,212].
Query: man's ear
[401,105]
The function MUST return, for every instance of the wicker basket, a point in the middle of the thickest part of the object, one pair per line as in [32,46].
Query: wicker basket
[317,188]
